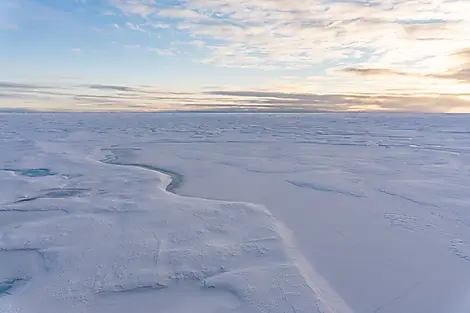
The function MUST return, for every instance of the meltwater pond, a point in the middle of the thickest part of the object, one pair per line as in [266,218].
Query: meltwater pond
[7,285]
[32,172]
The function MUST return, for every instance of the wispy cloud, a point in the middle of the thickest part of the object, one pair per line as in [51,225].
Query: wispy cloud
[143,8]
[461,72]
[162,52]
[197,43]
[136,27]
[159,25]
[180,13]
[110,87]
[13,85]
[378,71]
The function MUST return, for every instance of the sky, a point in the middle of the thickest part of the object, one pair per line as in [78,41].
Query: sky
[225,55]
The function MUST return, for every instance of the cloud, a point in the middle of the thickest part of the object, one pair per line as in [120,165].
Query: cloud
[262,94]
[278,34]
[76,50]
[179,13]
[12,85]
[162,52]
[435,30]
[159,25]
[378,71]
[110,87]
[143,8]
[14,110]
[353,102]
[381,50]
[463,55]
[10,95]
[197,43]
[460,73]
[130,98]
[136,27]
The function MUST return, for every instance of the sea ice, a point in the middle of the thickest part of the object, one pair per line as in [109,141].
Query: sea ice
[330,213]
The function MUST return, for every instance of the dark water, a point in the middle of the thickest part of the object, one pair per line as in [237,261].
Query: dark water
[6,286]
[119,153]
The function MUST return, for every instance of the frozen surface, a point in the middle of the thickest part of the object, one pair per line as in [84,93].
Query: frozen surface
[341,213]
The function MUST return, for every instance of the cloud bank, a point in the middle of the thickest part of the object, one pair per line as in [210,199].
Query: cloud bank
[95,97]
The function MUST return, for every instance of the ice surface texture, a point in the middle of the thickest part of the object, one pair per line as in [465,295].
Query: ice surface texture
[234,213]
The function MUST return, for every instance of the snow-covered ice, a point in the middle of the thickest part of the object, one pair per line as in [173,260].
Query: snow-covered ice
[330,213]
